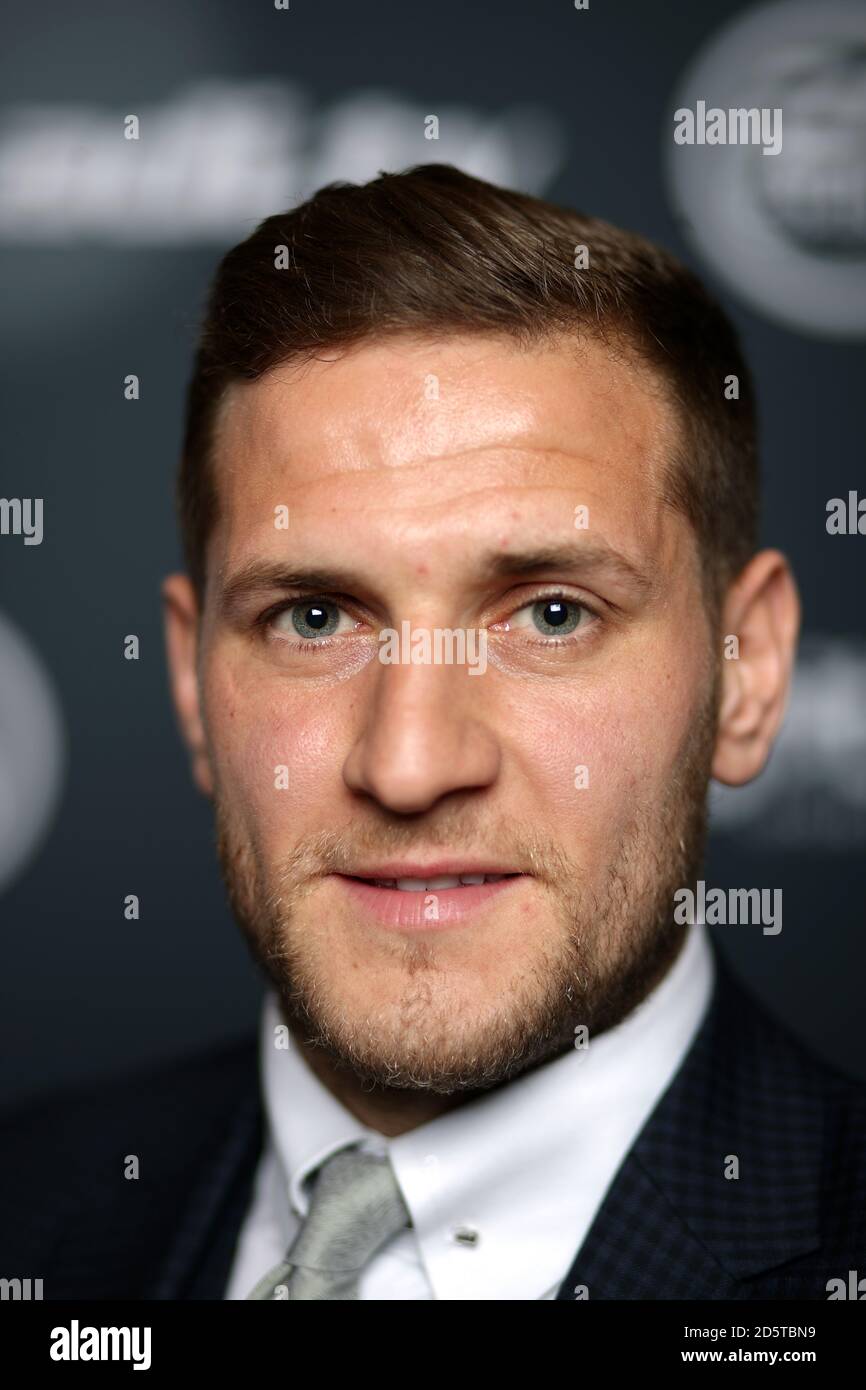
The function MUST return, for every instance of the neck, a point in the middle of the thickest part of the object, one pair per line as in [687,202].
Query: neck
[388,1110]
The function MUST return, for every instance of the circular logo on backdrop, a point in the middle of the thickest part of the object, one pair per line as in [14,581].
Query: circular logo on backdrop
[31,752]
[765,154]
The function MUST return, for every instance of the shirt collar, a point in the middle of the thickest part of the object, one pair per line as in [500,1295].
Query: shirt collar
[512,1178]
[307,1123]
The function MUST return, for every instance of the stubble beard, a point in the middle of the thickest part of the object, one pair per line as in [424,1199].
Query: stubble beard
[615,941]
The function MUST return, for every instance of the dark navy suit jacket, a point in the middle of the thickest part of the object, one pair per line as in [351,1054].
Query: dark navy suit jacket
[671,1224]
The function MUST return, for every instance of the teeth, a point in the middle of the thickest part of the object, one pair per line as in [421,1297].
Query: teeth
[421,885]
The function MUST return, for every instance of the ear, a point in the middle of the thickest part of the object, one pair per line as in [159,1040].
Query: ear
[762,610]
[182,618]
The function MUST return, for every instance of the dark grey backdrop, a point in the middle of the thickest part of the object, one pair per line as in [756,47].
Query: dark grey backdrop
[86,993]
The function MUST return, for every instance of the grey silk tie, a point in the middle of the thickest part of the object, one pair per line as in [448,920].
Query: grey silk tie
[356,1205]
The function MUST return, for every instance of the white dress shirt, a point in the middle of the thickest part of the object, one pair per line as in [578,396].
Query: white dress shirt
[525,1168]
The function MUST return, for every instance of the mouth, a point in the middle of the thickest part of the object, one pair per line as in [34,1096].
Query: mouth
[413,898]
[433,883]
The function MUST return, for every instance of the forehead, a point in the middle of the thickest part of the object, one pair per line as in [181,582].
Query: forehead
[420,430]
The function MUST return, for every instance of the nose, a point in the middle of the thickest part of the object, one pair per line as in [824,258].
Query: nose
[422,739]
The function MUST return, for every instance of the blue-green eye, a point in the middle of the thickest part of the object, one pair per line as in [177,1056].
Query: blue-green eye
[555,617]
[312,618]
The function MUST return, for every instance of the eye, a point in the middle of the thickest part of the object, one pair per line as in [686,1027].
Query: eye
[553,616]
[311,619]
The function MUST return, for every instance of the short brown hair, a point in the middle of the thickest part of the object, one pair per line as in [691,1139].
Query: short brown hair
[433,250]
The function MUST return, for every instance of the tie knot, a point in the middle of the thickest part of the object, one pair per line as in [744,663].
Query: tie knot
[355,1206]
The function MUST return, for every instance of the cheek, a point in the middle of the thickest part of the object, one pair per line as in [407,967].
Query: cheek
[594,753]
[274,749]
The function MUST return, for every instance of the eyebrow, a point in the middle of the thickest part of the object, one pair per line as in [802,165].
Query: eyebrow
[259,577]
[588,557]
[262,577]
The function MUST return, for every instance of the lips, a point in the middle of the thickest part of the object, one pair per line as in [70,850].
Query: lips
[435,884]
[426,899]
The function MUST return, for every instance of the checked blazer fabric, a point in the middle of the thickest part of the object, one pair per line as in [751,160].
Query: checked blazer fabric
[671,1225]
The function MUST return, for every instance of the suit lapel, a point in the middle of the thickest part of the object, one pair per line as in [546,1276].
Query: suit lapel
[673,1225]
[198,1262]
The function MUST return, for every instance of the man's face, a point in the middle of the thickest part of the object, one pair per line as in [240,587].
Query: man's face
[461,484]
